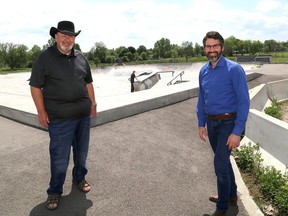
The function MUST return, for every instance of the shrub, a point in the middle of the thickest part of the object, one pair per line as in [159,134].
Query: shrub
[248,157]
[272,183]
[281,199]
[274,110]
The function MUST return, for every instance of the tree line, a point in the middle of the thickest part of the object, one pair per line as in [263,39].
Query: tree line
[18,56]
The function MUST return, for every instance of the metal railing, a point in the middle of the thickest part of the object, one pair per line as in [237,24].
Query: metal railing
[167,72]
[180,74]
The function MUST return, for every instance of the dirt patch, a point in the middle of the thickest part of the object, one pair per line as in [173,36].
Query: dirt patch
[284,110]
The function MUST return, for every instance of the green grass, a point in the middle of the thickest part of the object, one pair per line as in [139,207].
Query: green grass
[18,70]
[277,58]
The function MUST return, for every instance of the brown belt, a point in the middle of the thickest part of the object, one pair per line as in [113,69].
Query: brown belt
[221,116]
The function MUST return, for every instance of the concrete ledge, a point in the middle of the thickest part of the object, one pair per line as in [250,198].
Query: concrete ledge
[271,136]
[252,76]
[258,97]
[143,105]
[276,89]
[113,108]
[147,82]
[20,116]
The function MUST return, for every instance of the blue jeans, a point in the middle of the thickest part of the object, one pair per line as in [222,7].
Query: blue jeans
[218,133]
[63,135]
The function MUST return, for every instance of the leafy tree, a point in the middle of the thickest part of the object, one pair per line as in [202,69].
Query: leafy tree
[32,54]
[136,56]
[119,51]
[3,53]
[144,56]
[174,53]
[16,56]
[246,45]
[188,49]
[198,50]
[100,51]
[241,47]
[90,55]
[124,54]
[131,49]
[110,59]
[231,46]
[162,48]
[96,61]
[256,46]
[270,46]
[141,49]
[130,56]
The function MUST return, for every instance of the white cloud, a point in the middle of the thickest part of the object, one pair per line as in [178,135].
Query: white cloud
[267,5]
[143,22]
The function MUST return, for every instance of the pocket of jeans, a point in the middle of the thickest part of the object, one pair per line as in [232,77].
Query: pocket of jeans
[228,121]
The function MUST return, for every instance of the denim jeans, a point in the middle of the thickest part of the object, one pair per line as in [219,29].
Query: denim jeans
[218,133]
[63,136]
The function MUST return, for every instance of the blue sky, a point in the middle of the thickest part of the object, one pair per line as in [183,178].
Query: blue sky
[143,22]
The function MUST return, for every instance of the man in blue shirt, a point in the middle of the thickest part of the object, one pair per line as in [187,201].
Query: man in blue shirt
[223,106]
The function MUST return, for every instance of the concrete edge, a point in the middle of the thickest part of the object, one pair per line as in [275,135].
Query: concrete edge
[108,115]
[23,117]
[248,202]
[125,111]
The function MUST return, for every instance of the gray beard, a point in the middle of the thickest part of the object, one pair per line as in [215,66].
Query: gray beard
[214,59]
[63,48]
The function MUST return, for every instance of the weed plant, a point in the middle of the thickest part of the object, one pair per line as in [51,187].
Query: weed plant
[274,110]
[272,184]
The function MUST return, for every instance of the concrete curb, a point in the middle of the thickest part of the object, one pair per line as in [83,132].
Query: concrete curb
[244,195]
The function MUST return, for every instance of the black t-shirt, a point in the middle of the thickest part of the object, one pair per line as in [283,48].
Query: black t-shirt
[63,82]
[132,78]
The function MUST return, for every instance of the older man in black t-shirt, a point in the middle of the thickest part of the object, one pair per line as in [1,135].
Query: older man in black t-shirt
[63,93]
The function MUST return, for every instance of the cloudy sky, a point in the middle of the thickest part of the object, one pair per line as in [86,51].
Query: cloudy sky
[143,22]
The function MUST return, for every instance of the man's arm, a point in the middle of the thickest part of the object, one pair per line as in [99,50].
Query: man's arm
[37,96]
[91,94]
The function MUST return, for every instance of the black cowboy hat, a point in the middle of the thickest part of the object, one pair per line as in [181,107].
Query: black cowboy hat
[65,27]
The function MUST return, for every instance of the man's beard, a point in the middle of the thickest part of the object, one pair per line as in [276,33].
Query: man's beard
[66,49]
[214,58]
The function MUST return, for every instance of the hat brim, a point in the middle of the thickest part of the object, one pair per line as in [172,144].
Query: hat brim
[54,31]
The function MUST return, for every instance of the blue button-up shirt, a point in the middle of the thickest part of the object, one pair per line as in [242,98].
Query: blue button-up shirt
[223,89]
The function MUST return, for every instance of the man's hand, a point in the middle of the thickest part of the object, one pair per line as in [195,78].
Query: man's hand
[93,111]
[233,141]
[203,133]
[43,119]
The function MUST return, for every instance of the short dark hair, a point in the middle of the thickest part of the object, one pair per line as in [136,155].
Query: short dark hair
[215,35]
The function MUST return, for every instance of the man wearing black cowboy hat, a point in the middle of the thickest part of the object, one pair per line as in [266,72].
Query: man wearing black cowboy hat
[63,93]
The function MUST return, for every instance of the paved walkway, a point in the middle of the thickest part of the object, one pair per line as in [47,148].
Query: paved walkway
[148,164]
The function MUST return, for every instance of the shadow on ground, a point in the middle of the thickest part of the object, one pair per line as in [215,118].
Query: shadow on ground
[73,204]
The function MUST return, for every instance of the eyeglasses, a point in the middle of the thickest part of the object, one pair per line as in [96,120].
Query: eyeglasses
[215,46]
